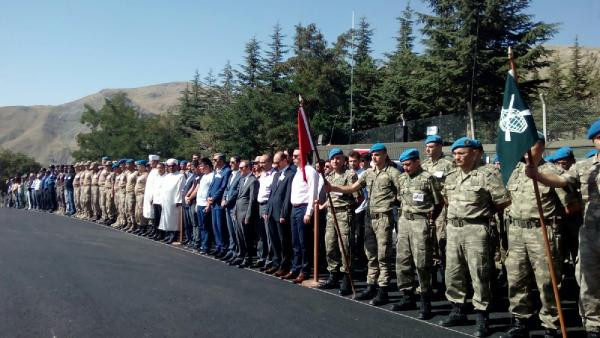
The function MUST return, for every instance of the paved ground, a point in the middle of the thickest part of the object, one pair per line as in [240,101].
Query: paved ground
[61,277]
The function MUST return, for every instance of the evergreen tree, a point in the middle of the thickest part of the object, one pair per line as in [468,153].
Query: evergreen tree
[274,59]
[556,79]
[252,68]
[405,39]
[228,81]
[578,80]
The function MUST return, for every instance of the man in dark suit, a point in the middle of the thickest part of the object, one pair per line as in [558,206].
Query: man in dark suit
[246,210]
[228,202]
[215,195]
[279,215]
[189,212]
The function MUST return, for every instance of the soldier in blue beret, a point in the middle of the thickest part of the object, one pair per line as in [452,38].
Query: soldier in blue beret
[421,202]
[433,139]
[564,157]
[591,153]
[594,130]
[377,147]
[335,151]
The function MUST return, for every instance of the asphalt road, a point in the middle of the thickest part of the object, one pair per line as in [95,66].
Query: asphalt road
[62,277]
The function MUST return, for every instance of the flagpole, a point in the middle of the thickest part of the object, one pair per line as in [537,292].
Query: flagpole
[536,189]
[335,222]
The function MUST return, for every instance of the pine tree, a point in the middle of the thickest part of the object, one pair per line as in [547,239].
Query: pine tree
[252,67]
[556,79]
[274,59]
[578,80]
[228,80]
[364,37]
[405,39]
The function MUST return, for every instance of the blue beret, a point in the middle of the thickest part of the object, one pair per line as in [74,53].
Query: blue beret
[128,161]
[106,158]
[409,154]
[465,142]
[550,158]
[140,162]
[335,151]
[115,165]
[377,147]
[594,130]
[562,152]
[591,153]
[433,139]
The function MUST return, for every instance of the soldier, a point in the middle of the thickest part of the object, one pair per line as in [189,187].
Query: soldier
[564,157]
[526,263]
[421,202]
[140,188]
[106,169]
[130,180]
[586,176]
[382,183]
[60,190]
[121,191]
[86,192]
[95,195]
[438,165]
[76,189]
[473,195]
[343,206]
[110,196]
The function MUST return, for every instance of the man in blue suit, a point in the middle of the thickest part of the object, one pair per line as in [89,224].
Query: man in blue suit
[215,196]
[189,214]
[228,202]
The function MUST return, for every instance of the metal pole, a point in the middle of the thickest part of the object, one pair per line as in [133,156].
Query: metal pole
[544,115]
[351,77]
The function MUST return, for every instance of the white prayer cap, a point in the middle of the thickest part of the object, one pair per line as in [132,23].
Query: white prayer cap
[172,161]
[153,158]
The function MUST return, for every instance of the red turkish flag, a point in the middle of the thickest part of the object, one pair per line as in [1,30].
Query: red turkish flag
[305,142]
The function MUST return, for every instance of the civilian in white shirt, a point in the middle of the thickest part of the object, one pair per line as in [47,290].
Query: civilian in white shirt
[264,246]
[304,193]
[203,207]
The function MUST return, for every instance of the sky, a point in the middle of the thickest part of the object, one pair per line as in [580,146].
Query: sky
[53,52]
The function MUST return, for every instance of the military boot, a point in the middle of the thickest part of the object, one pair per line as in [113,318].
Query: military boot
[456,317]
[425,306]
[330,283]
[367,293]
[593,334]
[381,298]
[481,325]
[518,329]
[551,333]
[406,302]
[345,287]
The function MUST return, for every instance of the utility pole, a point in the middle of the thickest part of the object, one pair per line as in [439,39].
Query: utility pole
[351,77]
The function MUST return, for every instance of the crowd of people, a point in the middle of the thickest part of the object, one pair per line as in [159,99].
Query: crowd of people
[448,223]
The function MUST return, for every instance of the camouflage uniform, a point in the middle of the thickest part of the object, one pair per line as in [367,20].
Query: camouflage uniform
[418,194]
[586,175]
[140,187]
[383,187]
[120,198]
[102,190]
[86,194]
[95,195]
[76,191]
[109,201]
[439,169]
[344,205]
[130,198]
[471,200]
[526,258]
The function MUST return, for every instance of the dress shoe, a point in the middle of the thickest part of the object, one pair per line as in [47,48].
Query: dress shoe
[213,252]
[301,278]
[235,261]
[244,264]
[280,273]
[228,256]
[272,270]
[262,267]
[290,275]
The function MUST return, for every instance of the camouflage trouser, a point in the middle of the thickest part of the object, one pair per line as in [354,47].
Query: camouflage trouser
[468,252]
[335,260]
[95,201]
[439,242]
[130,207]
[378,247]
[414,249]
[139,207]
[588,274]
[86,200]
[76,199]
[525,265]
[110,206]
[102,202]
[121,218]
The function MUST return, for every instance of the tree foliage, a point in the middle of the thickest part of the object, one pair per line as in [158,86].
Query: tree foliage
[13,164]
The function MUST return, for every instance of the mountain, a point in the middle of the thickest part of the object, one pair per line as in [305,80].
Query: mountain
[47,133]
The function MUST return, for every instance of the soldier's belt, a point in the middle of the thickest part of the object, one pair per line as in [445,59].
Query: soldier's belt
[342,209]
[460,222]
[378,215]
[411,216]
[533,222]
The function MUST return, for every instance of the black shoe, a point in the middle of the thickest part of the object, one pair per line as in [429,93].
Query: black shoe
[406,302]
[213,252]
[235,261]
[245,263]
[227,257]
[367,293]
[457,316]
[518,329]
[593,334]
[261,266]
[330,283]
[481,325]
[425,307]
[551,333]
[381,298]
[345,288]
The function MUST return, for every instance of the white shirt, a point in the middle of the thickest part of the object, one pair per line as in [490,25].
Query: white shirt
[202,194]
[305,192]
[36,184]
[264,190]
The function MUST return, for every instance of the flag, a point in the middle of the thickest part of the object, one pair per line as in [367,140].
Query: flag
[516,130]
[305,142]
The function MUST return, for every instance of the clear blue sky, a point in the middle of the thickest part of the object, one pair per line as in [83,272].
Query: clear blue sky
[52,52]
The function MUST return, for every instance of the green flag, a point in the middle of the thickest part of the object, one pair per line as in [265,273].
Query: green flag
[516,130]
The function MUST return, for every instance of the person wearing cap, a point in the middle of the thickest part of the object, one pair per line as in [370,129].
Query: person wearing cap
[140,188]
[382,182]
[473,195]
[130,181]
[438,165]
[343,207]
[526,264]
[421,201]
[171,199]
[86,192]
[60,190]
[109,190]
[148,207]
[591,153]
[77,189]
[584,175]
[120,187]
[95,195]
[563,157]
[106,169]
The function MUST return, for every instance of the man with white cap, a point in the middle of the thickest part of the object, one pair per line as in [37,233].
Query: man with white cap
[148,209]
[171,199]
